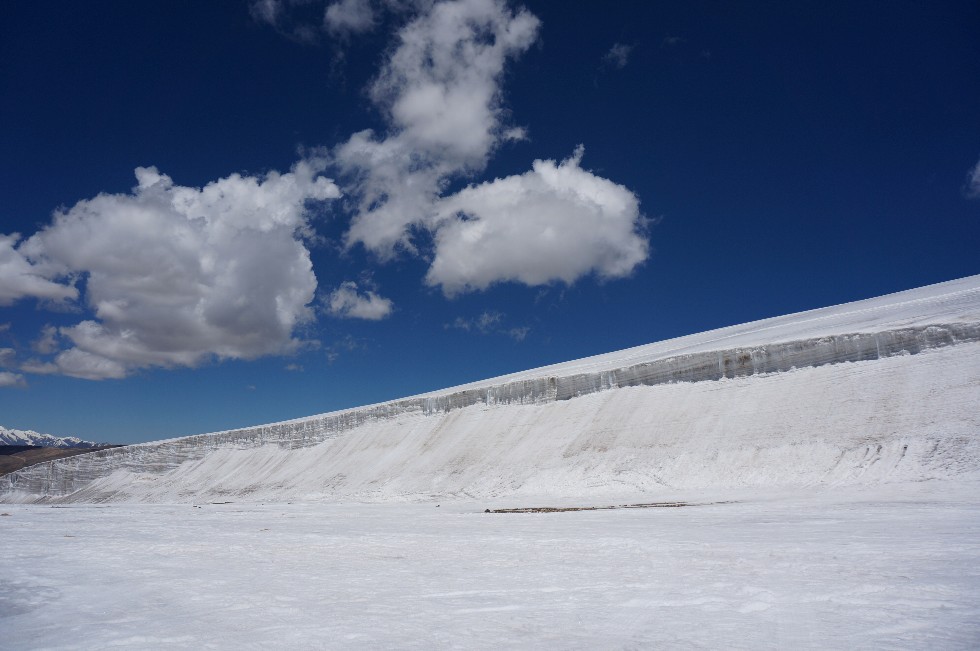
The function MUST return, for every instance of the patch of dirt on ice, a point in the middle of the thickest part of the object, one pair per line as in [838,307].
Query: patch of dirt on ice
[563,509]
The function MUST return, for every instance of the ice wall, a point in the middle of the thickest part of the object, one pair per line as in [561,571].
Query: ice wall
[148,463]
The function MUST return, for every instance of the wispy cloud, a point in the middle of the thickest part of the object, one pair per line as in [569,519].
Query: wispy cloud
[306,21]
[350,17]
[47,343]
[22,278]
[519,334]
[345,344]
[489,322]
[484,323]
[7,357]
[297,20]
[8,379]
[618,55]
[972,187]
[348,302]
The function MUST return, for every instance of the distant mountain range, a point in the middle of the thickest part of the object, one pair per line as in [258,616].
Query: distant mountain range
[29,437]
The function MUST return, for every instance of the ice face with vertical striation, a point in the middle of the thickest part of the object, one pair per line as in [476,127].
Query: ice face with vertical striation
[876,390]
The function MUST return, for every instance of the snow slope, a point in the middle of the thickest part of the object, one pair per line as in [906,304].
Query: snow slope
[30,437]
[882,390]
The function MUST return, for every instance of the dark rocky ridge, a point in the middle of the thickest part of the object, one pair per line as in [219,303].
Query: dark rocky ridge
[16,457]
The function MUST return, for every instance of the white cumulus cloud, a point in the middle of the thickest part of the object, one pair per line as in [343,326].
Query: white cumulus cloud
[557,222]
[177,275]
[439,91]
[440,94]
[348,302]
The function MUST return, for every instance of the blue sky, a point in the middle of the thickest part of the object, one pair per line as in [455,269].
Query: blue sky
[339,203]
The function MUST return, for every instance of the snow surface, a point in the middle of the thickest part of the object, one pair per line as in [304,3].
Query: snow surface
[894,567]
[833,457]
[30,437]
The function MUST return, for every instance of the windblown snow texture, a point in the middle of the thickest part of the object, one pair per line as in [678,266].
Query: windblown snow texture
[878,390]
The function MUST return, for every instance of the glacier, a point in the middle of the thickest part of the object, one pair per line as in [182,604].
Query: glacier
[829,460]
[880,390]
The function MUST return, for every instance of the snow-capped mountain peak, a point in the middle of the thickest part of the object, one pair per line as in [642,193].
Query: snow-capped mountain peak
[30,437]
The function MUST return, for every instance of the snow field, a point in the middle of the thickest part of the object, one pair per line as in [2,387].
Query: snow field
[872,568]
[842,513]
